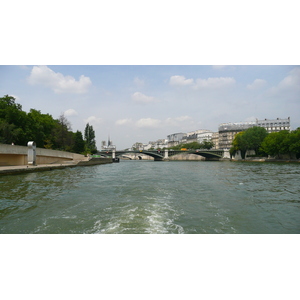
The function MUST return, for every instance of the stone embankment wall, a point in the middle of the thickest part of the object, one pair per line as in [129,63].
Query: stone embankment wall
[185,156]
[135,156]
[12,155]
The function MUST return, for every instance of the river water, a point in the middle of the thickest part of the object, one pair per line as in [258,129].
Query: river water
[178,197]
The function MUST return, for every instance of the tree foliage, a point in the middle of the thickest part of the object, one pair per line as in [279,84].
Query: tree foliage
[19,127]
[276,144]
[194,145]
[79,144]
[89,137]
[282,144]
[250,139]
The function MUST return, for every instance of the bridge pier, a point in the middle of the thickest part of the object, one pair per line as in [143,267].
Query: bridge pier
[166,154]
[226,153]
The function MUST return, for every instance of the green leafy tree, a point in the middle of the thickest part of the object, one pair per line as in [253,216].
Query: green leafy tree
[63,138]
[207,145]
[250,139]
[79,144]
[239,143]
[253,138]
[89,138]
[276,144]
[294,142]
[192,145]
[13,121]
[41,128]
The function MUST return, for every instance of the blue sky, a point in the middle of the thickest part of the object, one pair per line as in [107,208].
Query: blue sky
[136,103]
[138,72]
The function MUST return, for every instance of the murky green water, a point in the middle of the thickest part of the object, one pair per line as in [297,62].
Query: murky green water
[154,197]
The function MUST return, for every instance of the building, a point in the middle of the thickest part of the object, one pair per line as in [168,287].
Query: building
[107,147]
[227,131]
[197,136]
[205,135]
[175,139]
[215,140]
[137,146]
[274,125]
[159,144]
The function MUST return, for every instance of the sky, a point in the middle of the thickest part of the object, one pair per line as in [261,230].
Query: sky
[138,72]
[142,103]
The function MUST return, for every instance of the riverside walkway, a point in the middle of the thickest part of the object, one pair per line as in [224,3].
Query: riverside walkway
[27,169]
[48,167]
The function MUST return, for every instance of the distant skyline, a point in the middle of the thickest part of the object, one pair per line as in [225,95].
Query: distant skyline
[136,103]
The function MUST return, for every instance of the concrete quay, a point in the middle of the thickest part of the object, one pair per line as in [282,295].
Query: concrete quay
[8,170]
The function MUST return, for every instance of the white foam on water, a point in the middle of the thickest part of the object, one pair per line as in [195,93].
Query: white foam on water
[161,219]
[154,217]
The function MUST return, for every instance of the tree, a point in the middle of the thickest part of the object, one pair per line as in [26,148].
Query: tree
[13,121]
[294,142]
[253,137]
[239,143]
[79,144]
[89,138]
[250,139]
[275,144]
[41,128]
[63,138]
[207,144]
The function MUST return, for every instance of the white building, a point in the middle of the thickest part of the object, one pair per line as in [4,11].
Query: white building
[215,140]
[159,144]
[197,136]
[204,136]
[175,139]
[274,125]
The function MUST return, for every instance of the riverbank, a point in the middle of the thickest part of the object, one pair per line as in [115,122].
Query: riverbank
[48,167]
[260,159]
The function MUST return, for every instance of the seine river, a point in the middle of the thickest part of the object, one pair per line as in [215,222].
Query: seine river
[148,197]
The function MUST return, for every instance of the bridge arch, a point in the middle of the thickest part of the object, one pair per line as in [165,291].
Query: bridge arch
[209,154]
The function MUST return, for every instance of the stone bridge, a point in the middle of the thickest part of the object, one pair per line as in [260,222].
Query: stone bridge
[160,155]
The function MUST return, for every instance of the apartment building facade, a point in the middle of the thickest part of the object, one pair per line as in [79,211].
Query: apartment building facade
[227,131]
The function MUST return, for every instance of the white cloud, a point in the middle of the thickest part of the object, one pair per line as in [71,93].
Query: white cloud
[42,75]
[141,98]
[183,118]
[180,80]
[214,83]
[292,80]
[148,123]
[71,112]
[139,82]
[124,122]
[288,85]
[178,121]
[93,120]
[257,84]
[210,83]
